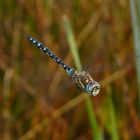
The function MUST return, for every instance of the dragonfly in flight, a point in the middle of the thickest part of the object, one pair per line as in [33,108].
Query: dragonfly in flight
[81,78]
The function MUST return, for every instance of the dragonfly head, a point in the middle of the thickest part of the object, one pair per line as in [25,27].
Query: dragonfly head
[93,88]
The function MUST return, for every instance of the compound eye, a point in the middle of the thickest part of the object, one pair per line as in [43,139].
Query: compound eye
[96,89]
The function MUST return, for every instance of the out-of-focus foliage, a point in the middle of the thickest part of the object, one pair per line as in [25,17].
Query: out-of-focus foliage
[135,15]
[37,98]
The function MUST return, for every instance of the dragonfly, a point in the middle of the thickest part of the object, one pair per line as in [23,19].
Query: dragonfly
[81,78]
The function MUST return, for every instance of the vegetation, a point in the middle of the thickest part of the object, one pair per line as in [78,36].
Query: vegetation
[38,100]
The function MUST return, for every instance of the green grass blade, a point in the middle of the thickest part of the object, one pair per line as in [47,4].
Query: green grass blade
[72,43]
[136,35]
[97,135]
[96,131]
[112,125]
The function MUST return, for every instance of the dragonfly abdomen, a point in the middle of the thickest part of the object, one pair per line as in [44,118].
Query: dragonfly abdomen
[47,51]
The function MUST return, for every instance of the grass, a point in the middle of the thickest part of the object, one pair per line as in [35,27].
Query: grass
[37,98]
[135,14]
[97,135]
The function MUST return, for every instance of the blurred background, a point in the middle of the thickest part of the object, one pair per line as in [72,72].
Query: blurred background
[39,101]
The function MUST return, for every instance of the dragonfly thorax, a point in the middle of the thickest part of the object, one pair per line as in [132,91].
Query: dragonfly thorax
[85,82]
